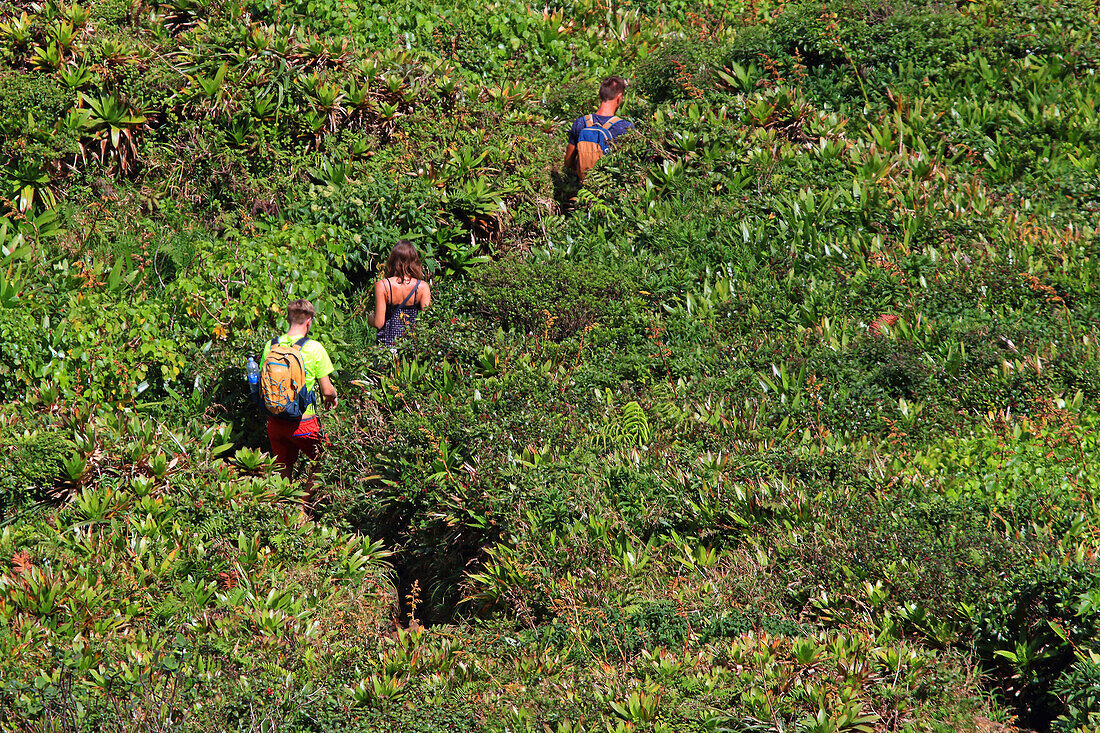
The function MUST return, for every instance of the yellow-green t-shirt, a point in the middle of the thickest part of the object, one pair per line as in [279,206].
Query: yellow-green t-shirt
[314,359]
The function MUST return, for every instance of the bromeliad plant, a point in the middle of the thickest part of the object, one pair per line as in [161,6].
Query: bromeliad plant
[783,421]
[116,128]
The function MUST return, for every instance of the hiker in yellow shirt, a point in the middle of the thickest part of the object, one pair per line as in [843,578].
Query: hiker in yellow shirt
[290,437]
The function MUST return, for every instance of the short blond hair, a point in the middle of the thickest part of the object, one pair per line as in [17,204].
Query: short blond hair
[299,311]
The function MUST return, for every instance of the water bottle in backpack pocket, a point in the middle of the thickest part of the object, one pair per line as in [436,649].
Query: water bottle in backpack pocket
[252,375]
[282,383]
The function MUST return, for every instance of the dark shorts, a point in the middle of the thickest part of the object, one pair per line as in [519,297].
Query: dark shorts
[289,439]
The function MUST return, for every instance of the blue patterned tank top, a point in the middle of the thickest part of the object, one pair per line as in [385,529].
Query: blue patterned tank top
[399,317]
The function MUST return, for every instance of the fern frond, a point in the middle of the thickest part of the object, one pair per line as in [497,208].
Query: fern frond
[635,429]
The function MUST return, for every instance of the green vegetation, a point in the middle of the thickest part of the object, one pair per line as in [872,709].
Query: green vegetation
[787,421]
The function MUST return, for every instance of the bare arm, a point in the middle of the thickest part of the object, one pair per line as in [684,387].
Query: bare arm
[424,295]
[379,304]
[328,392]
[570,155]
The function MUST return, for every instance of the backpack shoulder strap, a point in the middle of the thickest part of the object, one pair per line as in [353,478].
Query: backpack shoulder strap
[588,121]
[610,123]
[411,293]
[302,342]
[274,342]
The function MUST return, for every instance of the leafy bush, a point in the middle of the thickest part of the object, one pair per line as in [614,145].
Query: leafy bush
[552,299]
[31,93]
[1029,631]
[1078,688]
[23,340]
[679,71]
[33,466]
[784,419]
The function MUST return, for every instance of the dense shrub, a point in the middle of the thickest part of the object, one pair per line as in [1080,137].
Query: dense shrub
[1049,606]
[31,93]
[23,340]
[935,554]
[552,299]
[679,71]
[784,419]
[1078,688]
[33,467]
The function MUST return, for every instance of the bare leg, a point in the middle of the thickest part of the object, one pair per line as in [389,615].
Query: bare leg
[310,489]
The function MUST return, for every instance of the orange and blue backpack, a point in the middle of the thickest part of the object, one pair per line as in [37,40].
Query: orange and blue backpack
[283,381]
[592,142]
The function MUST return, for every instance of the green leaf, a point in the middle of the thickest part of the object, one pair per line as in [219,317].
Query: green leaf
[114,278]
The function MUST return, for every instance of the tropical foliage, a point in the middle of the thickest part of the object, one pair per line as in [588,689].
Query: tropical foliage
[786,420]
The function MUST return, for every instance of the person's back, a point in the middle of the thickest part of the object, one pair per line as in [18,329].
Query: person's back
[592,135]
[291,437]
[402,308]
[401,296]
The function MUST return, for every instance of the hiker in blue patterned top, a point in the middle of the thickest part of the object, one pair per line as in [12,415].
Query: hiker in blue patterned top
[592,135]
[399,298]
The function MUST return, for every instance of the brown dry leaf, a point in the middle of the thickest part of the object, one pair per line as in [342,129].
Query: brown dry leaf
[985,725]
[227,581]
[886,319]
[21,563]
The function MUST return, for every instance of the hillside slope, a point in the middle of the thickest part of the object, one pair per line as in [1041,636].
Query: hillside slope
[785,420]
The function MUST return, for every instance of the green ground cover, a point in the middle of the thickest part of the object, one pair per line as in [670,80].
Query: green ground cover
[786,421]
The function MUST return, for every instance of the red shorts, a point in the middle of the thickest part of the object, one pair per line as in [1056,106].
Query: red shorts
[289,438]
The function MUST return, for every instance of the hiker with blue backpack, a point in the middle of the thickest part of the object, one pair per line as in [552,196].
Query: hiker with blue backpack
[592,135]
[292,369]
